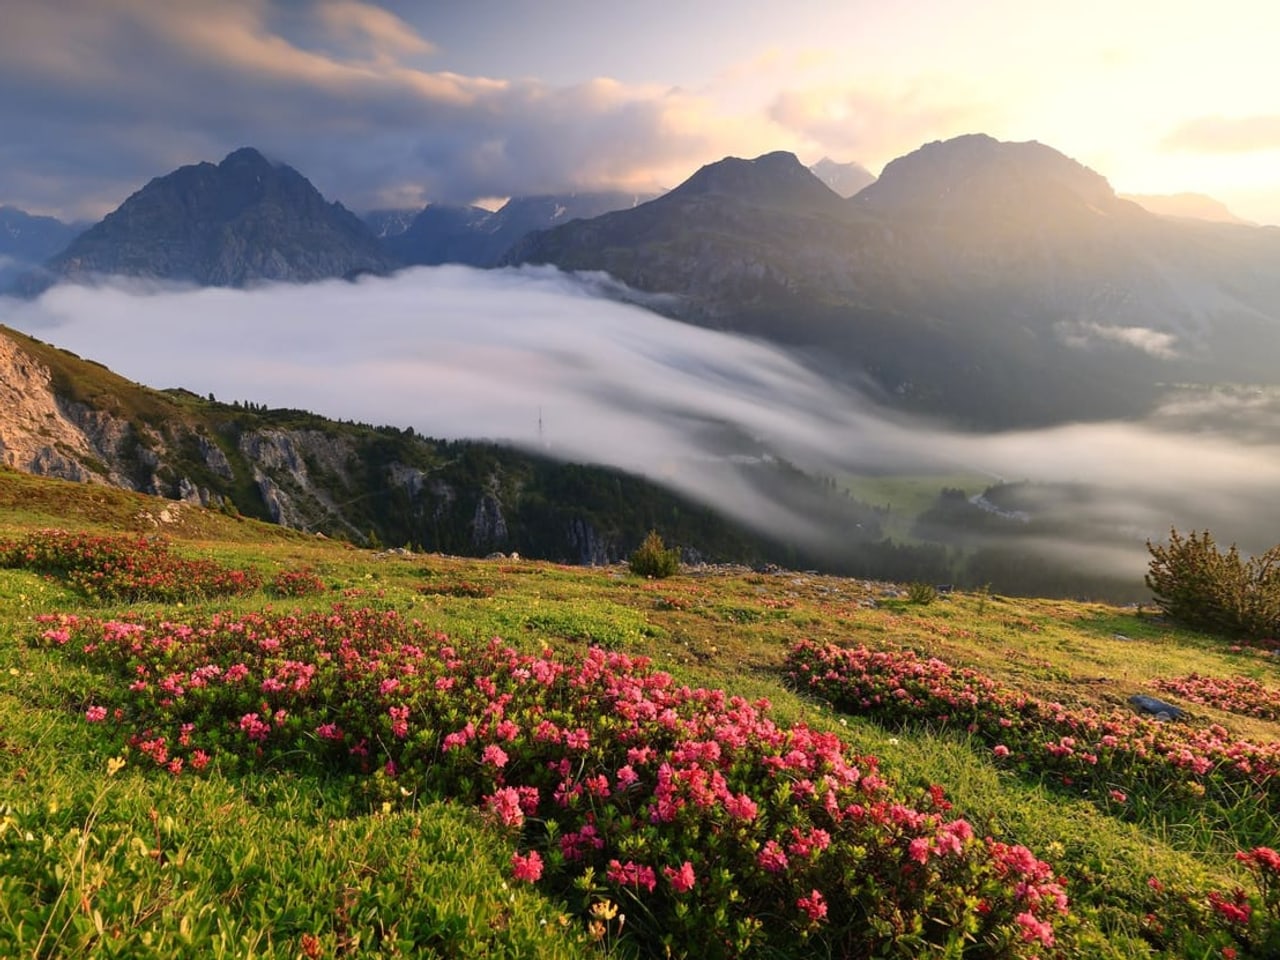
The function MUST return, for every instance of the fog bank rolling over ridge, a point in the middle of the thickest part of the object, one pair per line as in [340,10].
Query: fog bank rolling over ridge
[547,361]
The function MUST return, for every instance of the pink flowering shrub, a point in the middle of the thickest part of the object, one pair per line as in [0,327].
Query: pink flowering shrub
[717,830]
[1117,756]
[1242,695]
[126,567]
[297,583]
[1251,923]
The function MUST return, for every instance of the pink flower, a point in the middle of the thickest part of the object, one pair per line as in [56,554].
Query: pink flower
[632,874]
[96,714]
[1118,796]
[494,756]
[399,721]
[1000,750]
[918,849]
[527,868]
[505,805]
[577,739]
[253,726]
[681,879]
[741,807]
[1033,929]
[771,858]
[815,905]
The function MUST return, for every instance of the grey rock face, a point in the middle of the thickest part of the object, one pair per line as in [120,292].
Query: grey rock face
[243,221]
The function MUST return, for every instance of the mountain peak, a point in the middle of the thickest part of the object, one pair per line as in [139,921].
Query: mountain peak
[976,172]
[846,179]
[776,179]
[245,157]
[242,221]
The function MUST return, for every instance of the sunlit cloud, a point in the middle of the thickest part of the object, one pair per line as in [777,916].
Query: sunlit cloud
[1157,343]
[866,122]
[1218,134]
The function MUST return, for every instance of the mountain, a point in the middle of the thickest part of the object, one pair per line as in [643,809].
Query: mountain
[24,236]
[388,223]
[242,221]
[442,233]
[1188,206]
[845,179]
[479,238]
[993,284]
[27,240]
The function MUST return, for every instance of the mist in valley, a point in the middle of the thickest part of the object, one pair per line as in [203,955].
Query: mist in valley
[561,364]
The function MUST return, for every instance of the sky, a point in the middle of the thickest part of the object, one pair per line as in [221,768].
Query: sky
[399,103]
[539,358]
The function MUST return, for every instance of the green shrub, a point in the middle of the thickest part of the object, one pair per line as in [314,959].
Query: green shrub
[653,559]
[1200,586]
[921,593]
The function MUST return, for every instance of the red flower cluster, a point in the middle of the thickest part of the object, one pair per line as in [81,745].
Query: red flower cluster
[1242,695]
[598,764]
[1116,756]
[126,568]
[297,583]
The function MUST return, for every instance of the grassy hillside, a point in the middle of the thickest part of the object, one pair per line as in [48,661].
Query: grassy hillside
[287,836]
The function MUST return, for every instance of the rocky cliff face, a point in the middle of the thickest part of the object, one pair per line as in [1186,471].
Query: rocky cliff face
[40,434]
[242,221]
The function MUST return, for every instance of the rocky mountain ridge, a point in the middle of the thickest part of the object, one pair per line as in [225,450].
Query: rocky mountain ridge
[477,237]
[245,220]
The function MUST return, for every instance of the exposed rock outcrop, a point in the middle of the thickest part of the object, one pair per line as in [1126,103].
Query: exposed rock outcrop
[242,221]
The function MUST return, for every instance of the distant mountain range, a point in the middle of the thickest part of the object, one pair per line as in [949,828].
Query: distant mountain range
[992,284]
[996,284]
[26,241]
[1186,206]
[479,238]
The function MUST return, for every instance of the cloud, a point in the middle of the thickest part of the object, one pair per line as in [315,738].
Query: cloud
[455,352]
[1154,342]
[1219,134]
[109,94]
[870,122]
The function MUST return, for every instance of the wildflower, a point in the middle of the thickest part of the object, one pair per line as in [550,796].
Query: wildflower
[1000,750]
[1035,929]
[815,905]
[494,756]
[632,874]
[682,878]
[1118,796]
[772,858]
[96,714]
[114,766]
[918,849]
[527,868]
[505,805]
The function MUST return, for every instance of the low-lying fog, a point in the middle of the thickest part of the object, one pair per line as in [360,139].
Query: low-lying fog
[545,360]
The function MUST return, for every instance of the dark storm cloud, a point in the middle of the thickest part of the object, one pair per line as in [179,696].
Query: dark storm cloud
[101,97]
